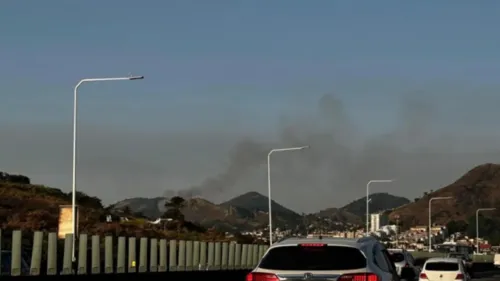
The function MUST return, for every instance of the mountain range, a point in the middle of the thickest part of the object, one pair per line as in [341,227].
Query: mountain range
[478,188]
[250,210]
[24,205]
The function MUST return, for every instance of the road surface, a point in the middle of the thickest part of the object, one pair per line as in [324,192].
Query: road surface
[488,277]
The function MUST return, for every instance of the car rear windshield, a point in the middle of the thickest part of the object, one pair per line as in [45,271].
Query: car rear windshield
[313,257]
[397,257]
[441,266]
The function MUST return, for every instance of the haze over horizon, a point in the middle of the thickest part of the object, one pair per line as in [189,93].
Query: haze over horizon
[379,90]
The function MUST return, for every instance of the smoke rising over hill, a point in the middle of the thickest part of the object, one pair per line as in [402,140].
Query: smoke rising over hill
[427,147]
[418,152]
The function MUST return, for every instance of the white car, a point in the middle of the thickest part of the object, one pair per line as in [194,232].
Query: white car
[444,269]
[341,259]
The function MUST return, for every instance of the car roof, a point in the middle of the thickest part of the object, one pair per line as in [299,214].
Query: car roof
[451,260]
[350,242]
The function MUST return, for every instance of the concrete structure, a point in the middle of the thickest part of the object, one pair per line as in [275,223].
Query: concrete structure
[377,221]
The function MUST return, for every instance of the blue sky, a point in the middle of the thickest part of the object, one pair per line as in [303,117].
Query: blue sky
[234,66]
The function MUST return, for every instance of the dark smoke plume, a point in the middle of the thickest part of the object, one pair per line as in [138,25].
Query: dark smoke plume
[417,152]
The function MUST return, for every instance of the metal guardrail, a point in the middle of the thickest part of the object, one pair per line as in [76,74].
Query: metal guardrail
[96,255]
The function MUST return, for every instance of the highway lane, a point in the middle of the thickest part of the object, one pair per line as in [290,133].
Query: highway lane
[491,278]
[488,276]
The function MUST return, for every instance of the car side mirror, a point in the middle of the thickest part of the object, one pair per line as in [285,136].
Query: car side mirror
[407,274]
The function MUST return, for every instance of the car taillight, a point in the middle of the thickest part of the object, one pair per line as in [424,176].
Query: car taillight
[359,277]
[460,276]
[407,265]
[423,276]
[259,276]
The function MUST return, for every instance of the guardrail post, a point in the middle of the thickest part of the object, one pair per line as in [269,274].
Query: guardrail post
[244,256]
[153,255]
[36,253]
[143,255]
[52,254]
[121,255]
[255,255]
[96,255]
[203,255]
[224,256]
[217,259]
[237,256]
[82,254]
[67,256]
[261,251]
[196,255]
[211,256]
[249,256]
[163,256]
[172,260]
[108,254]
[181,262]
[189,255]
[132,265]
[230,259]
[15,264]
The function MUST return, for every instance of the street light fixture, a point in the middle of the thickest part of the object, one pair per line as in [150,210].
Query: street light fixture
[477,224]
[269,183]
[368,200]
[75,103]
[430,219]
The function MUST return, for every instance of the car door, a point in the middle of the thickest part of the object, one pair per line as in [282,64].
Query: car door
[411,261]
[383,261]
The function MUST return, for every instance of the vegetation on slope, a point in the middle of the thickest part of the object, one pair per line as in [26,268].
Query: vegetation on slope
[478,188]
[34,207]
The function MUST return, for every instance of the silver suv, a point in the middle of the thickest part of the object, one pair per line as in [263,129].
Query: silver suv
[322,259]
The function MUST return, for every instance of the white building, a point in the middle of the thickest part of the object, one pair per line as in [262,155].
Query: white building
[377,221]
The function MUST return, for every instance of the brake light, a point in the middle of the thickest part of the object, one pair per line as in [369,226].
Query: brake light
[359,277]
[259,276]
[312,245]
[423,276]
[407,265]
[460,276]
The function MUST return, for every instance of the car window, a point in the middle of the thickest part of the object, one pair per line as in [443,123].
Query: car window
[380,260]
[313,257]
[410,258]
[397,257]
[392,266]
[441,266]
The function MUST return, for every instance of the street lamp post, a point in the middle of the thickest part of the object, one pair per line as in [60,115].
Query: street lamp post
[269,183]
[368,201]
[75,103]
[477,225]
[397,231]
[430,219]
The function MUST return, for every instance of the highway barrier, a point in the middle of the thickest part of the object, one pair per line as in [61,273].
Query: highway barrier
[228,275]
[426,255]
[115,255]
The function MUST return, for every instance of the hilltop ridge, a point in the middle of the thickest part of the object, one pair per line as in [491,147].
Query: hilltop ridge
[477,188]
[24,205]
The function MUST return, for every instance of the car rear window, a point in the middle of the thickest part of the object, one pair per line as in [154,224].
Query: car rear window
[313,257]
[397,257]
[441,266]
